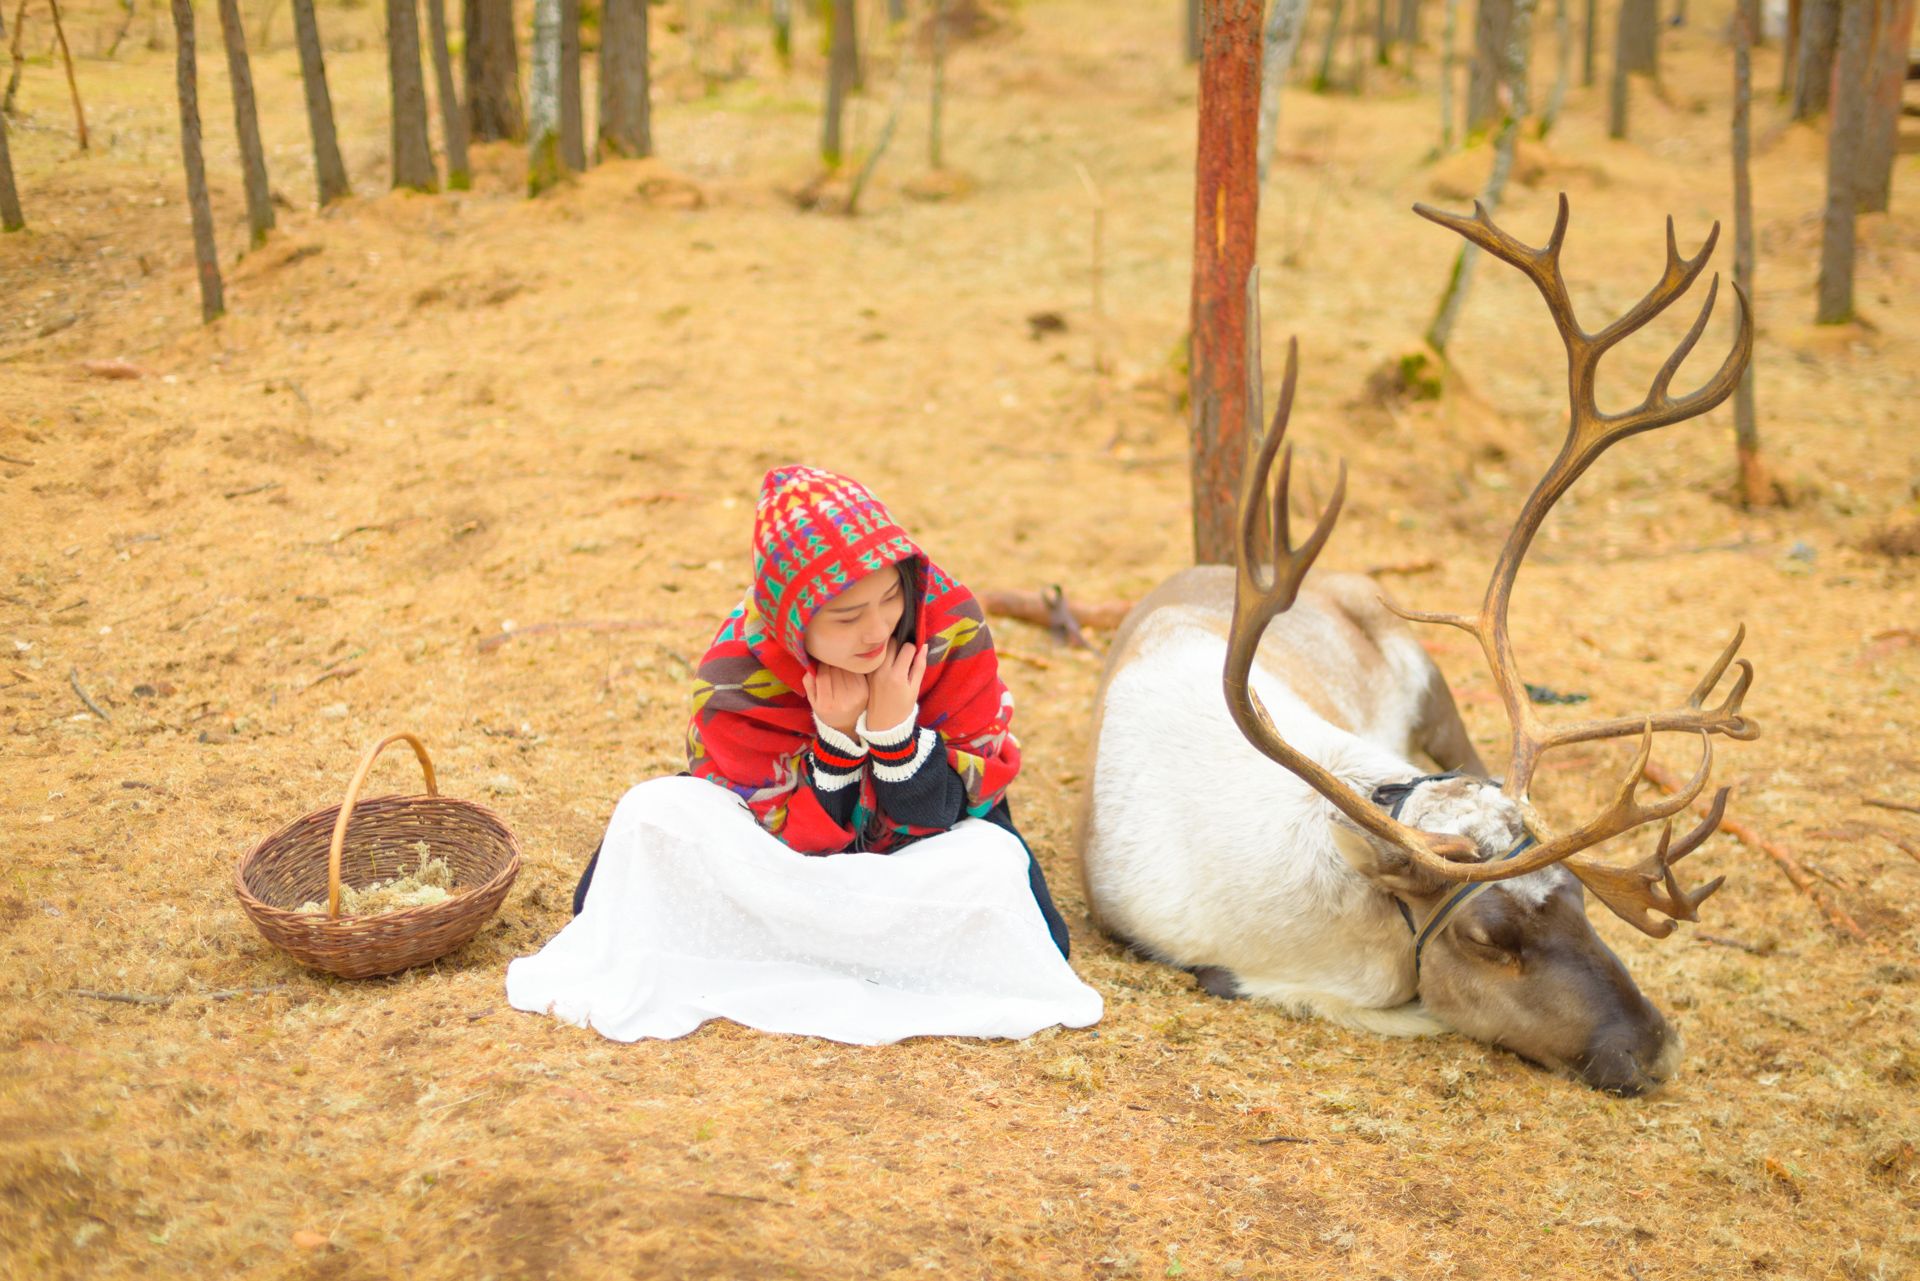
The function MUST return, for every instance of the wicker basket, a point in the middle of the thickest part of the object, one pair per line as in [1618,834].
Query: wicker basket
[369,842]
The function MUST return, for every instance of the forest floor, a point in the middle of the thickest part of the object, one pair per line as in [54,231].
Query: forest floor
[426,419]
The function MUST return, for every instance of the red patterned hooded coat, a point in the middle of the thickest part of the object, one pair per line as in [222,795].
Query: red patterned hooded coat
[814,535]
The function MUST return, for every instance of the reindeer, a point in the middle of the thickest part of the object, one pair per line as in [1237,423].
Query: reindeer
[1379,877]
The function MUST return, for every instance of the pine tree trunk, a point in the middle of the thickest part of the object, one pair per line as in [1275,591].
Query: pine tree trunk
[936,108]
[1813,75]
[1515,57]
[1755,489]
[840,56]
[1589,43]
[1409,28]
[783,33]
[1873,185]
[1193,30]
[1449,71]
[453,119]
[1226,224]
[626,125]
[1790,49]
[330,173]
[1383,32]
[407,131]
[546,166]
[1854,55]
[1490,25]
[1619,90]
[1323,75]
[493,71]
[1563,70]
[11,219]
[1281,41]
[1640,36]
[246,123]
[573,125]
[206,258]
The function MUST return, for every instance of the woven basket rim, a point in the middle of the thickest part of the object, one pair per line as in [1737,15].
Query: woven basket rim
[422,913]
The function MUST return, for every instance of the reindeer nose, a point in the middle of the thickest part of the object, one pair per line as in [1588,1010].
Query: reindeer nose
[1633,1058]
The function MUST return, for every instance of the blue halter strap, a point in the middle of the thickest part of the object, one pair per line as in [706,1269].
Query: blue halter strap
[1394,795]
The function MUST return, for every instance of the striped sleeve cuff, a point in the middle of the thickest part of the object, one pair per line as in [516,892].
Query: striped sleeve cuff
[837,759]
[899,752]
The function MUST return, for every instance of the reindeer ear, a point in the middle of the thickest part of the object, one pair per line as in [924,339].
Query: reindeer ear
[1385,866]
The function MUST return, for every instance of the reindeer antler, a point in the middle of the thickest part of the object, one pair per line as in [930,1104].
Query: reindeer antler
[1629,893]
[1632,893]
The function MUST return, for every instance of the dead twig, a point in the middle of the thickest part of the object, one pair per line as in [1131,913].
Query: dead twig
[1719,941]
[122,998]
[1837,916]
[492,643]
[1066,629]
[338,673]
[73,679]
[1403,567]
[257,489]
[1031,607]
[1279,1138]
[742,1196]
[66,56]
[1879,802]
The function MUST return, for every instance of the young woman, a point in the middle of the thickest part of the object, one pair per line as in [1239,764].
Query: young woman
[850,706]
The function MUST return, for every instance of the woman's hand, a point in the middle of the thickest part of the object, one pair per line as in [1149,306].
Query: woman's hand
[838,696]
[894,689]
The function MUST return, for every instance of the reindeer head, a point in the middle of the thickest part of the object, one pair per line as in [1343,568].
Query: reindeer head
[1503,949]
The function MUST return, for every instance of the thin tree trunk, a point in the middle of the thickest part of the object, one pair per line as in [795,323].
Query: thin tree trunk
[1854,55]
[1640,36]
[573,125]
[1281,41]
[328,169]
[840,56]
[1563,70]
[1589,43]
[14,56]
[1518,49]
[1409,29]
[1619,90]
[1226,224]
[246,123]
[626,126]
[1194,8]
[407,124]
[453,118]
[1449,72]
[1813,73]
[206,258]
[937,107]
[1873,190]
[11,219]
[896,11]
[783,33]
[546,165]
[1756,489]
[1323,75]
[1492,21]
[1383,33]
[73,85]
[493,71]
[1790,49]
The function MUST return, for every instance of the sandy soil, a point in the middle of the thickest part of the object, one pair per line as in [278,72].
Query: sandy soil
[428,418]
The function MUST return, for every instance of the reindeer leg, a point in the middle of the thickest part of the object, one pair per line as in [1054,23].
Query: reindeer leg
[1440,732]
[1216,981]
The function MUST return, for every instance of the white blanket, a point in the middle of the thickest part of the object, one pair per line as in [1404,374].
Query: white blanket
[695,912]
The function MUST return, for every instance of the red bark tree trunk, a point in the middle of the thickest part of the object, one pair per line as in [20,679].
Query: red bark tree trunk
[1226,210]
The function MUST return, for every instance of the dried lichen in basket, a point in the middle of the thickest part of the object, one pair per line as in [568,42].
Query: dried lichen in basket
[358,843]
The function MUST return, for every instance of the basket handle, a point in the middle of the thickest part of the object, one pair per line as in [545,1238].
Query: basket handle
[353,798]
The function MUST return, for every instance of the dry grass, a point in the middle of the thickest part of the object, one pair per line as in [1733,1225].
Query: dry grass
[425,417]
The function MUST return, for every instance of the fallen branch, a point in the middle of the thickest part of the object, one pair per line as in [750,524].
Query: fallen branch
[1403,567]
[1031,607]
[1722,941]
[1882,803]
[146,998]
[1837,916]
[257,489]
[492,643]
[1279,1138]
[742,1196]
[73,679]
[338,673]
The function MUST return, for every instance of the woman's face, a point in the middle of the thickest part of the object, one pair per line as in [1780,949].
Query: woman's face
[851,631]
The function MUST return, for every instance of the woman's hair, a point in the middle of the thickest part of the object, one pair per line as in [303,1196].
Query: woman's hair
[910,598]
